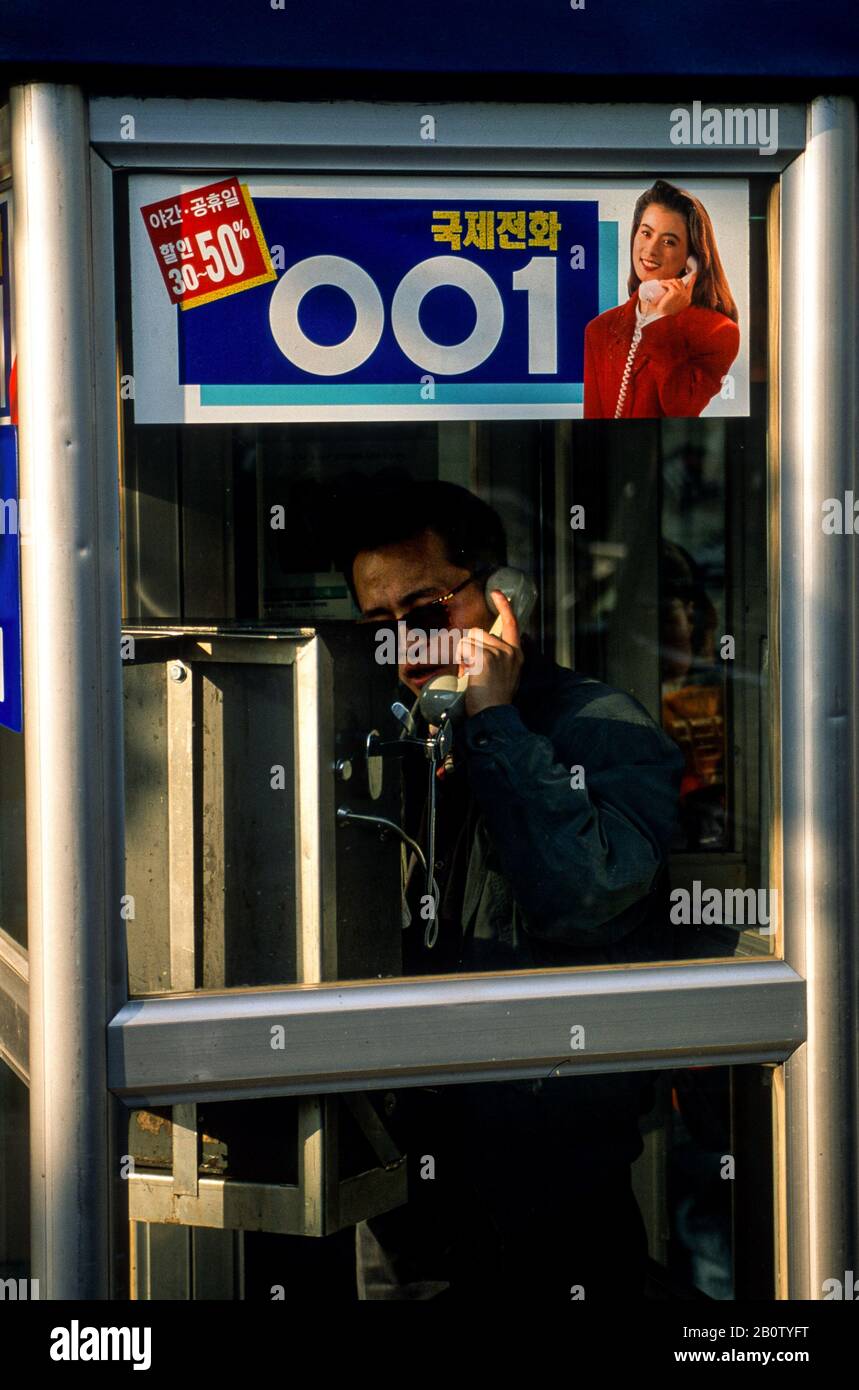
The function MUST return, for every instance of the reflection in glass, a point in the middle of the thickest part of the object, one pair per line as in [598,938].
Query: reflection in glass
[646,544]
[695,659]
[693,698]
[614,1188]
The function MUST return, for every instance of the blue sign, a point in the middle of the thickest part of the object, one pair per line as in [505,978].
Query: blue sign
[11,689]
[465,300]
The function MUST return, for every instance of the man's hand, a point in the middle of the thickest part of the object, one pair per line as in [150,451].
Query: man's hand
[499,658]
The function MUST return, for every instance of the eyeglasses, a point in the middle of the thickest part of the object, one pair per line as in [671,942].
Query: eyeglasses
[426,618]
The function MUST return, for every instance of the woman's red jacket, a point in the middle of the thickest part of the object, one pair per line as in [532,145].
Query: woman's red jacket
[677,369]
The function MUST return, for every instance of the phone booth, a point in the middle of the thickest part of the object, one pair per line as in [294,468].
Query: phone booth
[237,322]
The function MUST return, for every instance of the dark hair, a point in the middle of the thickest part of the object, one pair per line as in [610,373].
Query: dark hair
[711,289]
[472,532]
[682,578]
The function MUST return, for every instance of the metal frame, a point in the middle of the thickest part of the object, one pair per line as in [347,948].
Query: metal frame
[820,691]
[491,1026]
[321,1201]
[72,708]
[318,1204]
[471,137]
[494,1027]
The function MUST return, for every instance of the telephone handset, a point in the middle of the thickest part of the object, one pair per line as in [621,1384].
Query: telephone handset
[651,291]
[446,694]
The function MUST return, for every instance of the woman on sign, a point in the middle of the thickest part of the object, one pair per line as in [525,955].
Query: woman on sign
[666,350]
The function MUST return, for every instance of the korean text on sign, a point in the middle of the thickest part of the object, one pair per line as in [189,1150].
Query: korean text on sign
[208,243]
[487,229]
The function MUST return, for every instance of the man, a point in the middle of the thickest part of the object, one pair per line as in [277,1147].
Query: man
[553,832]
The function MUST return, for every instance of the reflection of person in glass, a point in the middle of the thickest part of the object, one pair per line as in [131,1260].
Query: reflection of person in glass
[693,697]
[666,350]
[536,868]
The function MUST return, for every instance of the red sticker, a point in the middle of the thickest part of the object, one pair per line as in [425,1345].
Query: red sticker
[209,243]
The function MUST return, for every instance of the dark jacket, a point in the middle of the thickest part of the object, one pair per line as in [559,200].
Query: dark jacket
[543,874]
[562,874]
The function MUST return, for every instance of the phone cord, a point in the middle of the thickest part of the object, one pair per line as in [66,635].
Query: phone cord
[624,382]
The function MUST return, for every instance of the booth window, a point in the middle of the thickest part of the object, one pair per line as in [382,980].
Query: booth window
[660,592]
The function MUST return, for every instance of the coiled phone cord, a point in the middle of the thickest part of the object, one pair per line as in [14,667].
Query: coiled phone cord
[346,817]
[624,384]
[431,928]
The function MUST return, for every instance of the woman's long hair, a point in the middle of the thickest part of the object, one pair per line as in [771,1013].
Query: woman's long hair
[711,289]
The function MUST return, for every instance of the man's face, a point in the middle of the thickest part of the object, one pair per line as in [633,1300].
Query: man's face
[396,578]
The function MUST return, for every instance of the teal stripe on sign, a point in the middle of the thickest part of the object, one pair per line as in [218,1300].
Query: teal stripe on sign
[608,266]
[490,393]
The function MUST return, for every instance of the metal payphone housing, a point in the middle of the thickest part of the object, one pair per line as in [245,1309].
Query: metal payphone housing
[240,746]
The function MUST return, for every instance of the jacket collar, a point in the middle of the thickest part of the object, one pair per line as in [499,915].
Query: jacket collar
[539,672]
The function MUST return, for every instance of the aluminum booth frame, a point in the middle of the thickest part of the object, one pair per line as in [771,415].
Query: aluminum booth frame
[90,1048]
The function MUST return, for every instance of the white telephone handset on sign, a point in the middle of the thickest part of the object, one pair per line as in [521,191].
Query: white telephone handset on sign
[446,694]
[651,291]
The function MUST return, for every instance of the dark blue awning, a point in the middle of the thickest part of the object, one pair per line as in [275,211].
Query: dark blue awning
[789,38]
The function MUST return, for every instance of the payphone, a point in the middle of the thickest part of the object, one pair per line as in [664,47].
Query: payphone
[241,747]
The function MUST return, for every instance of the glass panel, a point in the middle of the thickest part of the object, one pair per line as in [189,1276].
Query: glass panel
[609,808]
[693,630]
[15,1182]
[235,522]
[624,1186]
[13,846]
[669,601]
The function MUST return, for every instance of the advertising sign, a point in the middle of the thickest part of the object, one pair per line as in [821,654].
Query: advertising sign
[208,243]
[413,299]
[10,583]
